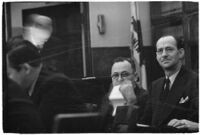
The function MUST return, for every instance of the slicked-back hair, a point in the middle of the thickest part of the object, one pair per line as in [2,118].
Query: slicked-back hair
[179,40]
[24,52]
[121,59]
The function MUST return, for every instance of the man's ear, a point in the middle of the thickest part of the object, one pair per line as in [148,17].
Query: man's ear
[181,53]
[26,67]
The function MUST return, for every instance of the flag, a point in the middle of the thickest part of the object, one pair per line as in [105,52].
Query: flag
[136,44]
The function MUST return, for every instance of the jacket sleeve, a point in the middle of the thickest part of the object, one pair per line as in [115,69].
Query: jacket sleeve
[146,109]
[59,96]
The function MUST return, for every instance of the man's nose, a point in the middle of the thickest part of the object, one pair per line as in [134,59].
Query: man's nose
[164,53]
[120,78]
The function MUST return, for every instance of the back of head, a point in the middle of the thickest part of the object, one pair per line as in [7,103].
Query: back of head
[39,21]
[24,52]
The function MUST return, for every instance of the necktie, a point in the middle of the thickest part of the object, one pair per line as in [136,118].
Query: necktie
[165,91]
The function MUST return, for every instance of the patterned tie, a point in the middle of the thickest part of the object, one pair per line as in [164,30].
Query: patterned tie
[165,91]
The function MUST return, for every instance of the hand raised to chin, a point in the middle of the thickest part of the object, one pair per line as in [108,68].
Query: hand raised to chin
[127,90]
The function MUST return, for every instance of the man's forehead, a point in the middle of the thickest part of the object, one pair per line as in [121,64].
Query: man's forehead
[166,40]
[121,66]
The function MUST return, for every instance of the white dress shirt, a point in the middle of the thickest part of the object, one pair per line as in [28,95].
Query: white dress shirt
[172,78]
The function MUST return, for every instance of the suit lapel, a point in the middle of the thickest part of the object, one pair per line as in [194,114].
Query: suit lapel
[156,101]
[36,92]
[173,97]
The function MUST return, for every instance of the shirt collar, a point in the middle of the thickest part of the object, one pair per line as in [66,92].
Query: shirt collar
[173,77]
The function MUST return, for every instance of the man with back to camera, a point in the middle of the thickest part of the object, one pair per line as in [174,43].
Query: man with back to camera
[124,76]
[174,98]
[19,113]
[38,30]
[51,92]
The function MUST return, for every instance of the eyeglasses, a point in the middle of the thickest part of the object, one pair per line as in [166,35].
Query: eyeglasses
[167,50]
[123,75]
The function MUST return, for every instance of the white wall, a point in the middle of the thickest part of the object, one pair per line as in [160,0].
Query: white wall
[117,19]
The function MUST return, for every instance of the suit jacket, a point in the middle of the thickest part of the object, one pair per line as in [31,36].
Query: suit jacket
[181,103]
[141,95]
[107,109]
[54,93]
[19,113]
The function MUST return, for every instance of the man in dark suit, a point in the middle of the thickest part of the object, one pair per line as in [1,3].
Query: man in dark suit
[174,98]
[55,93]
[130,95]
[124,75]
[19,113]
[52,93]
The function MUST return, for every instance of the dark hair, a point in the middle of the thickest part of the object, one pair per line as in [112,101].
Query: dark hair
[179,42]
[121,59]
[24,52]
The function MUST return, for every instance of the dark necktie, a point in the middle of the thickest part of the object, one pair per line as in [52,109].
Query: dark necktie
[165,91]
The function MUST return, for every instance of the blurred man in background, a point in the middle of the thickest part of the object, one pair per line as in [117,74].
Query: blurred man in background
[37,30]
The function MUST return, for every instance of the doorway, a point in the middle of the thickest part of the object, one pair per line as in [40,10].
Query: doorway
[63,52]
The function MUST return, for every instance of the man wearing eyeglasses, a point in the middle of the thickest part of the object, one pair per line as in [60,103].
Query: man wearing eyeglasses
[125,92]
[123,74]
[174,98]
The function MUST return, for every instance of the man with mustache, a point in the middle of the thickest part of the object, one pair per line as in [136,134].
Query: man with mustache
[174,98]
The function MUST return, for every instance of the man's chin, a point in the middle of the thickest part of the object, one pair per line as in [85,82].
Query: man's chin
[166,66]
[40,46]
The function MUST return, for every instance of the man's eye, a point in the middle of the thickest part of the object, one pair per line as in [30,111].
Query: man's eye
[169,49]
[159,51]
[114,75]
[125,74]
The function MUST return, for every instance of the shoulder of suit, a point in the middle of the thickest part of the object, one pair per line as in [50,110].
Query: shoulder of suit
[158,80]
[190,74]
[47,74]
[49,77]
[57,77]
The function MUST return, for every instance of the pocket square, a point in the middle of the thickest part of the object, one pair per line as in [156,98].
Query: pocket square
[183,100]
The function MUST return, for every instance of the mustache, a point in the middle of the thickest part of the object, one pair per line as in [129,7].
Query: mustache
[165,59]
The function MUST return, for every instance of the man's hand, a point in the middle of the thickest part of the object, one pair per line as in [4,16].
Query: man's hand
[180,124]
[127,90]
